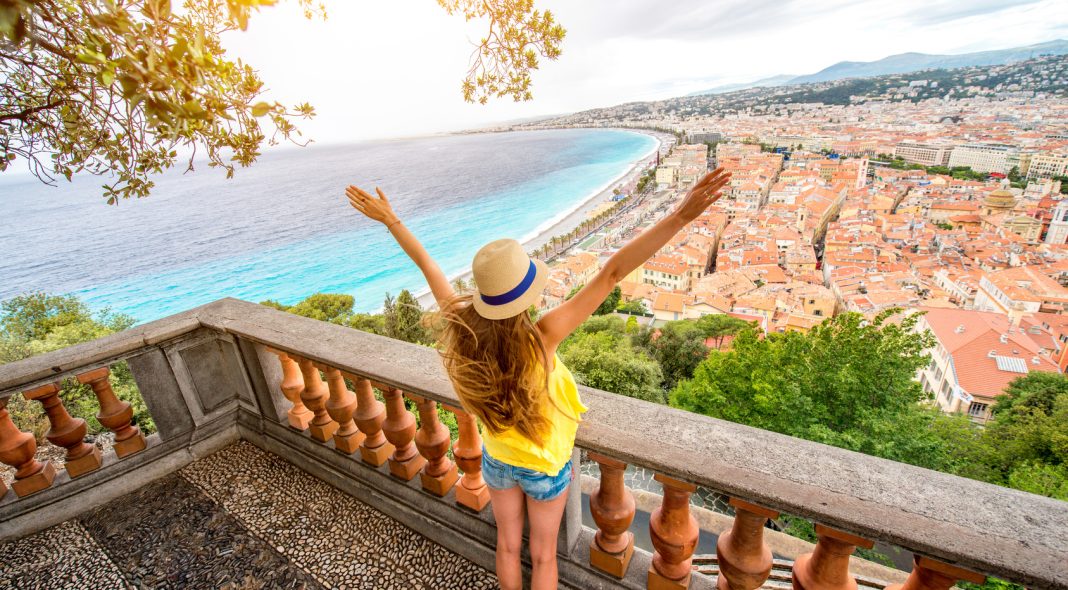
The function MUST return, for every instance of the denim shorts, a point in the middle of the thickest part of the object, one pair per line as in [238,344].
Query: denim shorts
[537,485]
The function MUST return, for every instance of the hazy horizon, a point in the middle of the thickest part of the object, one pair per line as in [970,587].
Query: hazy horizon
[407,61]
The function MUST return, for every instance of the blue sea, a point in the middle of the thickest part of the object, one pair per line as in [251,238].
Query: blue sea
[283,229]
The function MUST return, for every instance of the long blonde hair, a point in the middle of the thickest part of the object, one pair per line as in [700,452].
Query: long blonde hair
[499,368]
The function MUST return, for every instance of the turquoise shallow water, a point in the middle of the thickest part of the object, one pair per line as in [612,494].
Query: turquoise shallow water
[283,230]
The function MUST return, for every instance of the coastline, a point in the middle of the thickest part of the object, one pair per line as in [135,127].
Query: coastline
[566,220]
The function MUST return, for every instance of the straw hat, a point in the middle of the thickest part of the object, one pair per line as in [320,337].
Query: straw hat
[507,280]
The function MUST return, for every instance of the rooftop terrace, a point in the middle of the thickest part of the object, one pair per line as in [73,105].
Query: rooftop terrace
[262,474]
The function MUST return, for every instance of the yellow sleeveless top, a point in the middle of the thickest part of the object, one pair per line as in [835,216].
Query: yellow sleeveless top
[515,449]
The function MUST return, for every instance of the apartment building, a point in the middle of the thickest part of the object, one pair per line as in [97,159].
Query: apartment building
[667,273]
[976,356]
[927,154]
[1015,291]
[987,157]
[1048,165]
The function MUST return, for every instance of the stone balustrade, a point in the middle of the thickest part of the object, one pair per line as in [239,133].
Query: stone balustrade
[305,390]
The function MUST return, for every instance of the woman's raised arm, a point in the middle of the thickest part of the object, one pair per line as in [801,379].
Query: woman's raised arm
[560,321]
[380,210]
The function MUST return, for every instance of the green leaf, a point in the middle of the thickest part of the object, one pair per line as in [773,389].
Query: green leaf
[260,109]
[91,57]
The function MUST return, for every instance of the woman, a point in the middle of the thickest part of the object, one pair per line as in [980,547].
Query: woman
[505,370]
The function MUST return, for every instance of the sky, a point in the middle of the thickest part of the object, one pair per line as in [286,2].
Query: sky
[393,68]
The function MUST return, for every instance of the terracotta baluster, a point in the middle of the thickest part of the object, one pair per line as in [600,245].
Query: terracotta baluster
[292,384]
[612,507]
[827,567]
[673,531]
[467,451]
[370,413]
[115,414]
[744,558]
[314,396]
[341,406]
[433,441]
[66,432]
[400,430]
[17,449]
[928,574]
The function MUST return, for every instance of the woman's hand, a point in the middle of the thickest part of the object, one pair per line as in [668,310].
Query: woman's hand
[704,192]
[378,209]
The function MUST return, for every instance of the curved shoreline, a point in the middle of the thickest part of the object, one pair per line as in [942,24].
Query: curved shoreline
[564,221]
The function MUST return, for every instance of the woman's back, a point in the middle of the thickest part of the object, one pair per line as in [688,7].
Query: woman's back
[563,412]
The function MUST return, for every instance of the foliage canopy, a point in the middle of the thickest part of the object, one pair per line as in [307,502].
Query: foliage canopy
[121,87]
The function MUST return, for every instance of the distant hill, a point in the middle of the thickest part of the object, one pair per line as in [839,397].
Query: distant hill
[912,62]
[763,83]
[901,64]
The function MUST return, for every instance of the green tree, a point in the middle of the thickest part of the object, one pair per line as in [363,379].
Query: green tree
[374,323]
[1026,444]
[634,306]
[604,359]
[679,348]
[610,303]
[328,307]
[36,323]
[104,87]
[403,319]
[720,325]
[848,383]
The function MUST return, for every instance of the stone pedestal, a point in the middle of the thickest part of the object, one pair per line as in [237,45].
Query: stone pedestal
[673,531]
[35,482]
[744,558]
[66,432]
[439,474]
[472,491]
[612,507]
[114,414]
[292,385]
[827,567]
[613,563]
[928,574]
[340,407]
[314,396]
[399,428]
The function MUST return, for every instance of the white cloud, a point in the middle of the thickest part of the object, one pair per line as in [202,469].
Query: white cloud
[387,69]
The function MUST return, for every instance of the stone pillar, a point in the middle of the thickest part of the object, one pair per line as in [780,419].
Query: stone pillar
[114,413]
[17,449]
[292,385]
[341,406]
[744,558]
[673,531]
[439,474]
[400,430]
[370,413]
[314,396]
[472,491]
[612,507]
[66,432]
[928,574]
[827,567]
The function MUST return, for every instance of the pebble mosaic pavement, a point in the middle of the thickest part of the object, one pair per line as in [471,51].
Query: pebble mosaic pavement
[240,519]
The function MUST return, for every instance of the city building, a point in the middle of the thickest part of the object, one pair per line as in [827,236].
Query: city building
[1058,225]
[1048,165]
[976,356]
[1016,291]
[923,153]
[986,157]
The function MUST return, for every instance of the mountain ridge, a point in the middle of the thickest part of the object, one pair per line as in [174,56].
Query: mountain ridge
[902,63]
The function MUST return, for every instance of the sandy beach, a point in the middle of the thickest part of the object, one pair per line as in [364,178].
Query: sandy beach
[570,221]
